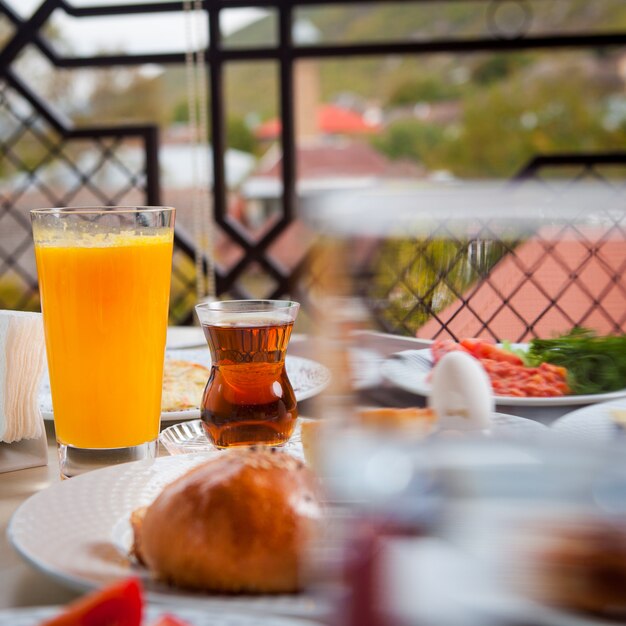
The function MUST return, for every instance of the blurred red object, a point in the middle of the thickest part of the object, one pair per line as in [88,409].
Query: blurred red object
[120,604]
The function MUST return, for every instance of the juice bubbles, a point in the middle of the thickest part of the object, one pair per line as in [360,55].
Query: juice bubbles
[105,303]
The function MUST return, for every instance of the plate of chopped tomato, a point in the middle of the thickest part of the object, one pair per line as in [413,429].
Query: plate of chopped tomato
[575,369]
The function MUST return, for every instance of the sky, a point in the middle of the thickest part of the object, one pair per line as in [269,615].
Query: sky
[135,34]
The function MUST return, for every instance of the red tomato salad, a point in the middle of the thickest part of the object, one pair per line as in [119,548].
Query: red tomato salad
[508,374]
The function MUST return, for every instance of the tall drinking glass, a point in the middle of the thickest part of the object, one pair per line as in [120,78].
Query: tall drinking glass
[104,279]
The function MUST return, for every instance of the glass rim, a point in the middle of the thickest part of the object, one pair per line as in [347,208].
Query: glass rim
[89,210]
[254,305]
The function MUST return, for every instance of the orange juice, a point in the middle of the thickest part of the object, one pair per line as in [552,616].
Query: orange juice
[105,303]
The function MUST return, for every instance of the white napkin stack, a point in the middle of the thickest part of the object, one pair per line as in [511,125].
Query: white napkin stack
[22,356]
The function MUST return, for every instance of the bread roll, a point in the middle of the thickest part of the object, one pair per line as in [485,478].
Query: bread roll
[237,523]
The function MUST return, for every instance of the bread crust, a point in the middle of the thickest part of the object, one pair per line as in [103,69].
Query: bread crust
[237,523]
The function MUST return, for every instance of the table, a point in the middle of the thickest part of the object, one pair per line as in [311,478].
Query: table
[22,585]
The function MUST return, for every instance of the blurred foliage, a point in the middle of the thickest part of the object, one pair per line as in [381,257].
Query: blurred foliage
[14,294]
[551,108]
[507,124]
[411,280]
[410,139]
[428,89]
[497,67]
[182,292]
[239,136]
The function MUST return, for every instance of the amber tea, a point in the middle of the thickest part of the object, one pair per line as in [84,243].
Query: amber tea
[248,399]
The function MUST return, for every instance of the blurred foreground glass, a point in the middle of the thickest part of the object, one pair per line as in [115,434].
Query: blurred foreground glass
[248,398]
[104,278]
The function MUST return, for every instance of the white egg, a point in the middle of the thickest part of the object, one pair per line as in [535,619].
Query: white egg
[461,393]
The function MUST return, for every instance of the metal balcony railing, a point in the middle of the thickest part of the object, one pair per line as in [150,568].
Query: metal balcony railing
[89,157]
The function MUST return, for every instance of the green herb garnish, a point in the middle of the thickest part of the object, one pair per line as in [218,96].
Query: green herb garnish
[594,364]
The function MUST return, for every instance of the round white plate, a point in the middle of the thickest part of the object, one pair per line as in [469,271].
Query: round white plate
[78,532]
[189,438]
[308,378]
[409,370]
[593,423]
[33,616]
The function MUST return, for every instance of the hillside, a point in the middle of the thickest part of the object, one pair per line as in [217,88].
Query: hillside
[377,79]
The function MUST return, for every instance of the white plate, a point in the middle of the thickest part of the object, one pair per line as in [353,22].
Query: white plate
[592,424]
[308,378]
[78,532]
[409,371]
[190,438]
[33,616]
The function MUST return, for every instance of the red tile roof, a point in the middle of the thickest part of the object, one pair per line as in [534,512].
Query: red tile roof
[567,274]
[331,120]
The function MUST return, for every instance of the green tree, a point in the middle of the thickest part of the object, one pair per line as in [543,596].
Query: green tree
[427,89]
[507,124]
[497,67]
[239,136]
[411,139]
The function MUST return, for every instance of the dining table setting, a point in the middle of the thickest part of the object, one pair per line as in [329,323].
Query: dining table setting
[235,472]
[40,544]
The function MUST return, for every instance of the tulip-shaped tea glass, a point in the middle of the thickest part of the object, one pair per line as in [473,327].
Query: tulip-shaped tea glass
[104,278]
[248,398]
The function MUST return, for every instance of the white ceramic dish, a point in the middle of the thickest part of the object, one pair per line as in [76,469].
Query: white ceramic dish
[78,532]
[592,424]
[33,616]
[308,378]
[409,370]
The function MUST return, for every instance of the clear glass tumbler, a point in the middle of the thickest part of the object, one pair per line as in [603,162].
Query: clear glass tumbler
[248,398]
[104,279]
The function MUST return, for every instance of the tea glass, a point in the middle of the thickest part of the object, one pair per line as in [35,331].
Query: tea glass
[104,279]
[248,399]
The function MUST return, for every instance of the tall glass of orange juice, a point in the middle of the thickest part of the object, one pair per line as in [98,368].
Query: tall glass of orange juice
[104,280]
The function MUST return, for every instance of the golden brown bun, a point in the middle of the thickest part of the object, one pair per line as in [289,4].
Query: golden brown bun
[237,523]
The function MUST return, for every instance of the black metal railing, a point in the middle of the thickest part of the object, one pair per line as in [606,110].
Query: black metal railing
[57,136]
